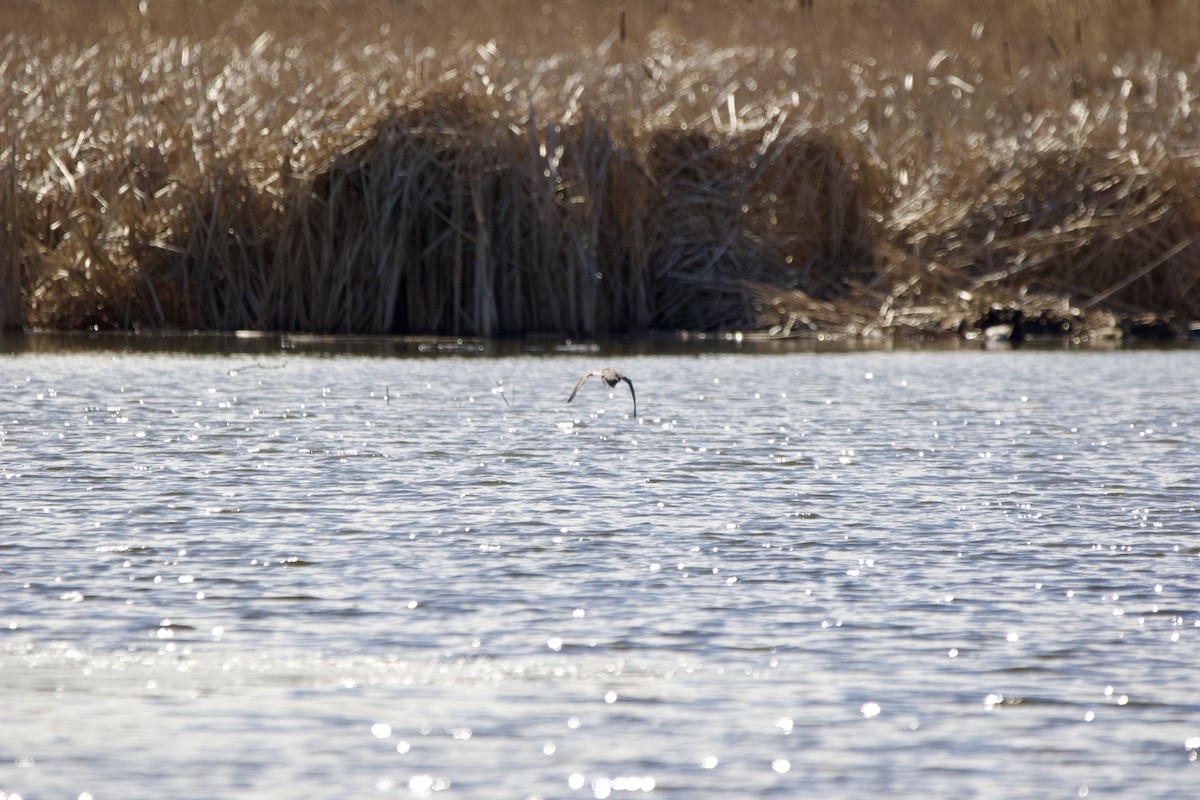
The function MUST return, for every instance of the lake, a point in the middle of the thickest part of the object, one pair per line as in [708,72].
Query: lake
[238,569]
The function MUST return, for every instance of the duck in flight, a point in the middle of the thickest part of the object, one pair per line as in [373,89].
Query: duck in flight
[611,378]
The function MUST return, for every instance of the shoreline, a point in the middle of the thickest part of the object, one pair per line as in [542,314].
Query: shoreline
[273,345]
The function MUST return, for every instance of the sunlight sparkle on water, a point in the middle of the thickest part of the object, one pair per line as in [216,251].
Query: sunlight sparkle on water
[490,582]
[604,787]
[424,784]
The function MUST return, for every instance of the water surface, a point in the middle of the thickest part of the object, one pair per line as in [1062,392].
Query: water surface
[265,572]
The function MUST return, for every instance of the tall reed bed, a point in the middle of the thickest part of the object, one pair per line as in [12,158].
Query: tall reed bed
[489,168]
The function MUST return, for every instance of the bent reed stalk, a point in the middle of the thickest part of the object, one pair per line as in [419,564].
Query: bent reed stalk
[511,167]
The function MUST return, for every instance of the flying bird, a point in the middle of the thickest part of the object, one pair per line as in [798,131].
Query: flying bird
[611,378]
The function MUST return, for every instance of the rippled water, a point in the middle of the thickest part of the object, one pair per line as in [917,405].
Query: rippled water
[887,574]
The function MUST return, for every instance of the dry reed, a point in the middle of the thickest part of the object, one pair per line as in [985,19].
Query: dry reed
[509,167]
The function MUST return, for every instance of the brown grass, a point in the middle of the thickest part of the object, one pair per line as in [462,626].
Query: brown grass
[507,166]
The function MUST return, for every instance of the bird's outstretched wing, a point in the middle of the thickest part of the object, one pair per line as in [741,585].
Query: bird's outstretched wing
[582,381]
[632,394]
